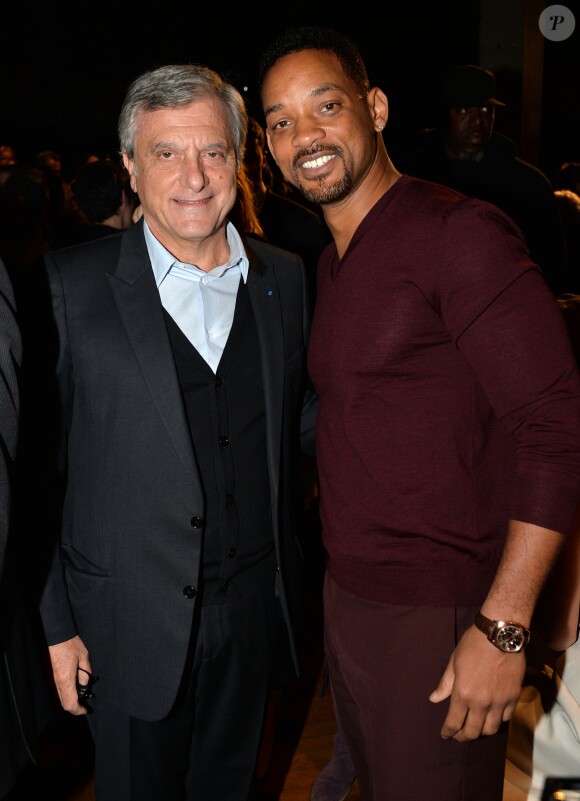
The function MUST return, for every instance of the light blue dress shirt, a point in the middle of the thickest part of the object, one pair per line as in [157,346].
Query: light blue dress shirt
[202,304]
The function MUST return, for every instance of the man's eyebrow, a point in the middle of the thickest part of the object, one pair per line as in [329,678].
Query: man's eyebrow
[326,88]
[273,109]
[319,90]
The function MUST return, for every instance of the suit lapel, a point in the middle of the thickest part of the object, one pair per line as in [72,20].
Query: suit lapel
[137,299]
[265,300]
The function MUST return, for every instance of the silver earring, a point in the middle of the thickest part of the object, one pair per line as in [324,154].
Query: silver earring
[380,126]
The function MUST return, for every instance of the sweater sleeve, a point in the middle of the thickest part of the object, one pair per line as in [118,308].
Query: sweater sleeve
[508,327]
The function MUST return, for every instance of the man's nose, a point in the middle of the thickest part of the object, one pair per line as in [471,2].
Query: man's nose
[193,174]
[475,116]
[307,132]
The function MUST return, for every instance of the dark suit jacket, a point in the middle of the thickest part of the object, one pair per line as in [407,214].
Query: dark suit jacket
[131,493]
[25,699]
[298,228]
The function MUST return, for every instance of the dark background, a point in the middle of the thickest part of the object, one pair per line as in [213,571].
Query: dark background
[63,74]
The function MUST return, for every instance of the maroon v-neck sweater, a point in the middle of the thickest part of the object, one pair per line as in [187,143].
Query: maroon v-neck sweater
[449,398]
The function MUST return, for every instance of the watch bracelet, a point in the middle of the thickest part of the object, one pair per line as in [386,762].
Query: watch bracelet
[487,626]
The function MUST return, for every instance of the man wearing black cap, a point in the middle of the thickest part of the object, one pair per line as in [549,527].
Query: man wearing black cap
[466,154]
[471,104]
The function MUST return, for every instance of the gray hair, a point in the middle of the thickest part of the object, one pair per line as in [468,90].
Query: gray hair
[178,85]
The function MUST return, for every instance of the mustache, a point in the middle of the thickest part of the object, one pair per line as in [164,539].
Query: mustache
[314,152]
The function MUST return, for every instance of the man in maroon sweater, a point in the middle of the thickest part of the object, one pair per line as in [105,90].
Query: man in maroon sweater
[448,438]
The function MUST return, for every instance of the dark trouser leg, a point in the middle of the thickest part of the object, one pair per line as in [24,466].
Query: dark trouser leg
[232,691]
[209,744]
[385,660]
[137,760]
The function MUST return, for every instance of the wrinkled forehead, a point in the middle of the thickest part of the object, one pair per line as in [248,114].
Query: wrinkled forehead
[201,117]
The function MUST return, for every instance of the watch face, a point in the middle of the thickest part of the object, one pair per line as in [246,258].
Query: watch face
[510,638]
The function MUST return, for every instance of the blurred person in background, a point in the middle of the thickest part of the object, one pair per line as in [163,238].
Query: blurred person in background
[103,194]
[467,153]
[26,699]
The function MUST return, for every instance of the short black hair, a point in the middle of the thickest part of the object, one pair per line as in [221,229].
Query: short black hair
[314,37]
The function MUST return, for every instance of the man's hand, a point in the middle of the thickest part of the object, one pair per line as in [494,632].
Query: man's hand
[484,685]
[69,659]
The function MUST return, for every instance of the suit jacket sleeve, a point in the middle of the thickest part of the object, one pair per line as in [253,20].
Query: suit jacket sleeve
[10,356]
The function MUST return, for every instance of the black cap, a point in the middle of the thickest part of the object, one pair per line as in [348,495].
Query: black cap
[469,85]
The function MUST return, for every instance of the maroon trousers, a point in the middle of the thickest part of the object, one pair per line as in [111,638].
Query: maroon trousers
[384,662]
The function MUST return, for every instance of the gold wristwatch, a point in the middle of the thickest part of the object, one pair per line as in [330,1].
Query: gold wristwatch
[507,635]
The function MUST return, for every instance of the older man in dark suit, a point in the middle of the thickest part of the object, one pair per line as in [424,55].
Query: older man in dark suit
[179,354]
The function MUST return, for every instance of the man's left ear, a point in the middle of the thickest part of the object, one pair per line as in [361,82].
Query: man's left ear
[379,107]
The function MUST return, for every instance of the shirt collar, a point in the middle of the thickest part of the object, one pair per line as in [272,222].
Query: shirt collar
[162,260]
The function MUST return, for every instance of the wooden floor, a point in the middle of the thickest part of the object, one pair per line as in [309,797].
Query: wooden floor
[300,746]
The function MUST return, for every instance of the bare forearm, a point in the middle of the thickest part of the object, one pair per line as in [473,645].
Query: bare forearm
[529,553]
[557,614]
[483,683]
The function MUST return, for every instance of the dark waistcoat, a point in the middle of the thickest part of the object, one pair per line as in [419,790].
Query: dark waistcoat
[226,416]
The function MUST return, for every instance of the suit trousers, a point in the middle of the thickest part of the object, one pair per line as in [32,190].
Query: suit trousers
[206,749]
[384,662]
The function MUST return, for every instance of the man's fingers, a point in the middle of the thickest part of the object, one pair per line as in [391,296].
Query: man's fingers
[463,724]
[70,664]
[69,699]
[492,723]
[455,719]
[443,689]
